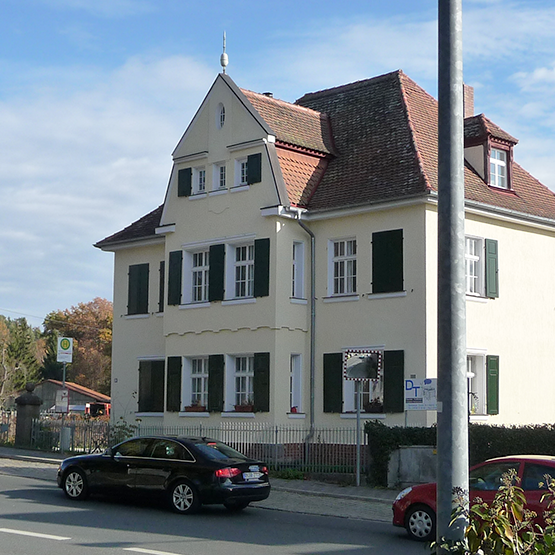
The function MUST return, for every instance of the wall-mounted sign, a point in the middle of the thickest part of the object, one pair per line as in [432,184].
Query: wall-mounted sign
[62,401]
[421,394]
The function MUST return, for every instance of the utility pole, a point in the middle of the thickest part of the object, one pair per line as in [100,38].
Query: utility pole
[452,425]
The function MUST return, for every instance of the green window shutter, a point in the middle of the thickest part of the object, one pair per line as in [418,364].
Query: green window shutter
[394,381]
[184,181]
[261,382]
[492,269]
[254,169]
[333,382]
[162,277]
[387,261]
[145,389]
[173,394]
[151,386]
[261,267]
[216,273]
[175,277]
[492,384]
[215,383]
[137,294]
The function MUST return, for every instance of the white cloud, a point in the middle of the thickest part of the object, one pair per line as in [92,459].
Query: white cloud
[79,164]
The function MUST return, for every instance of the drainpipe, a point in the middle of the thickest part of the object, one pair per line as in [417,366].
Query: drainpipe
[312,323]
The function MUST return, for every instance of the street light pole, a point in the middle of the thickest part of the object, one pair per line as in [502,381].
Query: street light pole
[452,425]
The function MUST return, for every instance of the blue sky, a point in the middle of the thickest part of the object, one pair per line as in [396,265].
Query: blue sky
[94,96]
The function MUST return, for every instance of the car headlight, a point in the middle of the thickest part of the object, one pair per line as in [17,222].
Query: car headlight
[402,494]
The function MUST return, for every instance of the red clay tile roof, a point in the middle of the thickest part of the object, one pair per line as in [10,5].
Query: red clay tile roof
[100,397]
[141,229]
[385,130]
[293,125]
[301,173]
[479,127]
[377,157]
[368,142]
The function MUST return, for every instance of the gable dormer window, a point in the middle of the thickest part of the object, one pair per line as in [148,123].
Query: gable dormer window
[498,174]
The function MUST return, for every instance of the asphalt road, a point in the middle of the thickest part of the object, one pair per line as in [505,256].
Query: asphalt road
[36,518]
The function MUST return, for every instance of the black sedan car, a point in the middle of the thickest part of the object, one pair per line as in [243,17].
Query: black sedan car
[189,471]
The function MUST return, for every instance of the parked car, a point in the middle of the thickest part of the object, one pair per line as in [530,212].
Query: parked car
[189,471]
[415,507]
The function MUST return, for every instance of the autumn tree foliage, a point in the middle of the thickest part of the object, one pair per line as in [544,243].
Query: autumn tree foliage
[90,326]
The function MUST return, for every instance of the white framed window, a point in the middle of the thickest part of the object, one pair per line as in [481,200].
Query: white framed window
[199,180]
[240,172]
[220,116]
[295,383]
[498,168]
[199,381]
[244,380]
[344,267]
[297,271]
[476,375]
[474,265]
[243,270]
[200,266]
[219,182]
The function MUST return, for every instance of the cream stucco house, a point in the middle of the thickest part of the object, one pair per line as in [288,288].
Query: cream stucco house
[294,234]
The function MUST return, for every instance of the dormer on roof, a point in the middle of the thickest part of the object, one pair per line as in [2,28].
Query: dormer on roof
[489,150]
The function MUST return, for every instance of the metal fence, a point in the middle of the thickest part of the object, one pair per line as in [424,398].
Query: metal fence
[282,447]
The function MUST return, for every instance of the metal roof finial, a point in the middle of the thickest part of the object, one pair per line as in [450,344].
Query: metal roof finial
[223,58]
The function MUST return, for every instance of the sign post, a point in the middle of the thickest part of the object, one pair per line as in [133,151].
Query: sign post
[361,365]
[64,355]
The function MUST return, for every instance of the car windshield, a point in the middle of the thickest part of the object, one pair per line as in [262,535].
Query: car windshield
[216,450]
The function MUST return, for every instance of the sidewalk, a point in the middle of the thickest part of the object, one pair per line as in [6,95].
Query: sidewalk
[301,496]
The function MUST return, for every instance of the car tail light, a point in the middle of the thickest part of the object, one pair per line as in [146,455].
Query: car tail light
[264,469]
[227,472]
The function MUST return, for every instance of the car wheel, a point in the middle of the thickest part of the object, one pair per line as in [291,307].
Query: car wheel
[421,523]
[184,498]
[236,506]
[75,484]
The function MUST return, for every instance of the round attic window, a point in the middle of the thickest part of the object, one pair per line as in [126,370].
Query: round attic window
[220,115]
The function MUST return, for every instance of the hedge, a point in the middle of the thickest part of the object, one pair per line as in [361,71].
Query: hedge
[485,442]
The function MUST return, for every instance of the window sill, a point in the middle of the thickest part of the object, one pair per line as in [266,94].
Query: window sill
[149,414]
[392,295]
[237,414]
[246,300]
[194,305]
[196,196]
[478,418]
[239,188]
[194,414]
[341,298]
[476,298]
[298,300]
[296,415]
[365,415]
[216,192]
[135,316]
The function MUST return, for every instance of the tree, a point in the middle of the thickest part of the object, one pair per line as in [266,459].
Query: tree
[90,326]
[22,351]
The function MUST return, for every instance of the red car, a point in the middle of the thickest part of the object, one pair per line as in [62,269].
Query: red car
[415,507]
